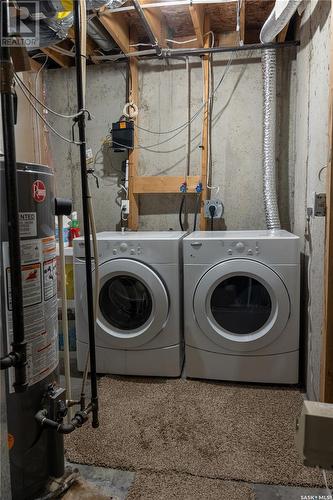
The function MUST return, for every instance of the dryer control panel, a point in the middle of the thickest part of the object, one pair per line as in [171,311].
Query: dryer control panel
[212,251]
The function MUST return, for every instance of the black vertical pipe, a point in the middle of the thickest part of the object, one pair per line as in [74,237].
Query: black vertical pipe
[85,207]
[8,127]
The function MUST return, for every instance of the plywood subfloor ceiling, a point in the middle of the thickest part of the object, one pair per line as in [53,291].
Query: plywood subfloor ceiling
[232,22]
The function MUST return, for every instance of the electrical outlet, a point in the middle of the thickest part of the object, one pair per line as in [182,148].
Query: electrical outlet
[219,209]
[320,205]
[125,207]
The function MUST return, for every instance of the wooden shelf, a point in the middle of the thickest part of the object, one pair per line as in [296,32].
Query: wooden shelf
[163,184]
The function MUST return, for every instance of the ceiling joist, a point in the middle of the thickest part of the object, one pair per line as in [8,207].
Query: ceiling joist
[61,59]
[197,13]
[156,22]
[117,26]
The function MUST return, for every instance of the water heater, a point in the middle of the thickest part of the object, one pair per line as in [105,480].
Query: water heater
[31,463]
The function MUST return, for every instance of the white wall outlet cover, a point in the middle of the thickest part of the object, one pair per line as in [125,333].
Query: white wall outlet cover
[219,209]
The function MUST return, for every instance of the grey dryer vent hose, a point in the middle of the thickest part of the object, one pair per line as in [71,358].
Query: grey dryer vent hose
[269,166]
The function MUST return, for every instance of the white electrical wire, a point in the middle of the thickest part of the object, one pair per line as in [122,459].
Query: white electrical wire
[140,45]
[39,153]
[183,42]
[182,127]
[210,32]
[196,114]
[210,125]
[65,52]
[76,115]
[70,141]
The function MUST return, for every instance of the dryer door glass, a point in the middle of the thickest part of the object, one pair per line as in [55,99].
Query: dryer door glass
[125,302]
[241,305]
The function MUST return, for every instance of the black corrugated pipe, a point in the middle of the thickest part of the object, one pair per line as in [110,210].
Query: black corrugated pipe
[85,207]
[17,357]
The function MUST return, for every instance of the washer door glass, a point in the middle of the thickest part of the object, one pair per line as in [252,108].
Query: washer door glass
[133,304]
[125,302]
[241,304]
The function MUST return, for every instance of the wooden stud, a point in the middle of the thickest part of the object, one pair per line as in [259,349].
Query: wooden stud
[205,125]
[118,28]
[61,59]
[228,39]
[242,23]
[133,156]
[163,184]
[326,379]
[197,13]
[157,23]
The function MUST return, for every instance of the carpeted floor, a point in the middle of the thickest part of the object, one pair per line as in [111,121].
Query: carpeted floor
[207,430]
[173,486]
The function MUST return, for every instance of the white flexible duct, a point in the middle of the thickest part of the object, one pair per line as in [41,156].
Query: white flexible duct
[269,167]
[278,19]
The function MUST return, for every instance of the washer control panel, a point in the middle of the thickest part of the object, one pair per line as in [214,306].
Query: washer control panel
[238,248]
[122,248]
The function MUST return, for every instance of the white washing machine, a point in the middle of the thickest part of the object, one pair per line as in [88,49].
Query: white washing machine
[139,317]
[241,302]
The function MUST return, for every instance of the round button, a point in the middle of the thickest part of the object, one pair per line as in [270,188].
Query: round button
[240,246]
[132,251]
[123,247]
[114,251]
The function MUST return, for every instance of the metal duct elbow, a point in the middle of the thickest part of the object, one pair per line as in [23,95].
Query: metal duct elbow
[278,19]
[110,4]
[269,167]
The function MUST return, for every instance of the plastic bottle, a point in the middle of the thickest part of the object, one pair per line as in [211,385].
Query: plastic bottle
[74,231]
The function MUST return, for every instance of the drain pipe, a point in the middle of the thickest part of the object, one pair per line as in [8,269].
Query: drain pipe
[17,357]
[85,208]
[269,144]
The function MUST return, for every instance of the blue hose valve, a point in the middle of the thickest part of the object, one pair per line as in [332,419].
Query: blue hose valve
[199,187]
[183,187]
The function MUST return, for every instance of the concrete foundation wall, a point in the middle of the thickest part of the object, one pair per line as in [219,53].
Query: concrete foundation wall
[237,137]
[310,173]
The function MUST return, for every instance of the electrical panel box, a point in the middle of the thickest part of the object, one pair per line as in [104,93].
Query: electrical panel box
[314,435]
[122,136]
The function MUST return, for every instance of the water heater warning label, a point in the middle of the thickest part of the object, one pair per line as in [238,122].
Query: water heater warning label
[40,306]
[32,285]
[28,224]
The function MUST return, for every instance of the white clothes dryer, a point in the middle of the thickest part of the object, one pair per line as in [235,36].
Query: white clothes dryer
[241,305]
